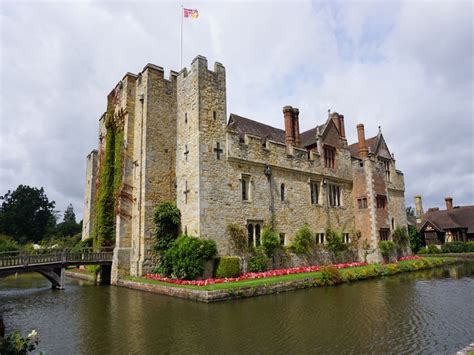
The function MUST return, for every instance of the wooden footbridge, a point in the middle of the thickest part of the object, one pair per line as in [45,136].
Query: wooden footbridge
[53,264]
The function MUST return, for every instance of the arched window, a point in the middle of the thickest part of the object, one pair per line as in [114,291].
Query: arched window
[282,192]
[257,235]
[250,234]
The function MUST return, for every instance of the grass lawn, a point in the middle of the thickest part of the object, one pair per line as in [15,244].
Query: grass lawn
[359,272]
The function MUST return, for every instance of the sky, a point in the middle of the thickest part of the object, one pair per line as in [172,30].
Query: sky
[404,66]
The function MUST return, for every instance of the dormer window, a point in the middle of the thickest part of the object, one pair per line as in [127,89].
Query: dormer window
[329,157]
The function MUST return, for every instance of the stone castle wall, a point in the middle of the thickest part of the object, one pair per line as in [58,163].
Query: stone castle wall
[177,147]
[89,195]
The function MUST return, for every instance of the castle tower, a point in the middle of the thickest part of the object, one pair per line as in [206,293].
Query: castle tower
[201,145]
[88,214]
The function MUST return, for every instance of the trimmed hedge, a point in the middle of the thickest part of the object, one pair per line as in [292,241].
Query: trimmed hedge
[458,247]
[228,266]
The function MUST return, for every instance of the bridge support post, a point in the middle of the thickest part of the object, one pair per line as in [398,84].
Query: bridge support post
[61,272]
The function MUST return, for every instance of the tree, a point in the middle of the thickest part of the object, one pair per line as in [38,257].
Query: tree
[335,241]
[27,214]
[270,241]
[416,239]
[69,227]
[167,220]
[410,211]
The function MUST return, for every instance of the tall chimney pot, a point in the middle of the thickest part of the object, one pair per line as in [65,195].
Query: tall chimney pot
[363,151]
[296,127]
[418,208]
[449,203]
[289,128]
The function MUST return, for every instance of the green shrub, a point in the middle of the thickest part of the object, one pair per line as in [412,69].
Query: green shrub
[304,240]
[228,266]
[335,241]
[432,249]
[470,247]
[330,276]
[238,238]
[7,243]
[270,241]
[454,247]
[186,256]
[391,269]
[167,220]
[349,275]
[416,239]
[387,247]
[258,261]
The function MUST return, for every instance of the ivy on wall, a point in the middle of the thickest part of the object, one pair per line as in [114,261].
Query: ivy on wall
[110,180]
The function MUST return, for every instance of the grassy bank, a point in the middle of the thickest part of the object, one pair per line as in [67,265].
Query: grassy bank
[319,278]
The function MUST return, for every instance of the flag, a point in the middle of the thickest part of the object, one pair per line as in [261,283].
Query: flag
[192,13]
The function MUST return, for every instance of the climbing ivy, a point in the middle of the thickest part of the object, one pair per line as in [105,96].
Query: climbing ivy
[110,179]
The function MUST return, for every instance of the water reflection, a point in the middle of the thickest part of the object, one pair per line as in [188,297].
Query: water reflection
[424,312]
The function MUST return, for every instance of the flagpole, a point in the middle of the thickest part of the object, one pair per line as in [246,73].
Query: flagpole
[182,15]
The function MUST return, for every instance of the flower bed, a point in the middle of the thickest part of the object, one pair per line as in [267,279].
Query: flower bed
[250,275]
[413,257]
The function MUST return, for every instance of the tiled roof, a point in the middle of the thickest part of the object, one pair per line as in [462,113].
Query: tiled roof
[458,217]
[247,126]
[371,144]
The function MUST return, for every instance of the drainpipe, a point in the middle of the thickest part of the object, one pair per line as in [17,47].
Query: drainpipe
[268,174]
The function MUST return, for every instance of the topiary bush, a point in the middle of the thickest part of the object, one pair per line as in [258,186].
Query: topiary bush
[416,239]
[186,256]
[228,266]
[304,240]
[238,238]
[167,220]
[258,261]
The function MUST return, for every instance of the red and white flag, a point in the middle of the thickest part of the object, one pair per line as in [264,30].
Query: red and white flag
[190,13]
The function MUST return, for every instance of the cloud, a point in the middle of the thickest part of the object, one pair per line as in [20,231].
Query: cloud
[406,66]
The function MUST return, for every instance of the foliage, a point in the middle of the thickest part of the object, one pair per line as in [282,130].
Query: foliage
[330,276]
[270,241]
[410,211]
[86,243]
[110,179]
[68,227]
[186,256]
[228,266]
[458,247]
[26,214]
[416,239]
[386,248]
[304,240]
[167,219]
[7,243]
[258,261]
[400,236]
[335,241]
[14,343]
[430,249]
[366,247]
[238,238]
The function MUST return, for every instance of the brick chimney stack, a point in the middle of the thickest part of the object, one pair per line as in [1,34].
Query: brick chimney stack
[418,208]
[449,203]
[337,122]
[341,125]
[296,126]
[363,151]
[289,133]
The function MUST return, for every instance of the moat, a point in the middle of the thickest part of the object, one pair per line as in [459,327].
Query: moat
[420,312]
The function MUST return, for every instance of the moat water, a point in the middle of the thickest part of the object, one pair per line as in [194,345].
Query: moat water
[429,312]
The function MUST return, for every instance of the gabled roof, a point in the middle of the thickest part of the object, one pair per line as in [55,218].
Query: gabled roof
[456,218]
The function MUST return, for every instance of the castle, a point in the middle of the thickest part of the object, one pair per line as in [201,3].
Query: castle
[173,141]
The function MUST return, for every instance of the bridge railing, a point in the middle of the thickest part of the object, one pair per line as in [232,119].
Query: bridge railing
[12,259]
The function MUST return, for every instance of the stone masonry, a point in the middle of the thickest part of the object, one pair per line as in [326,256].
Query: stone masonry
[180,145]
